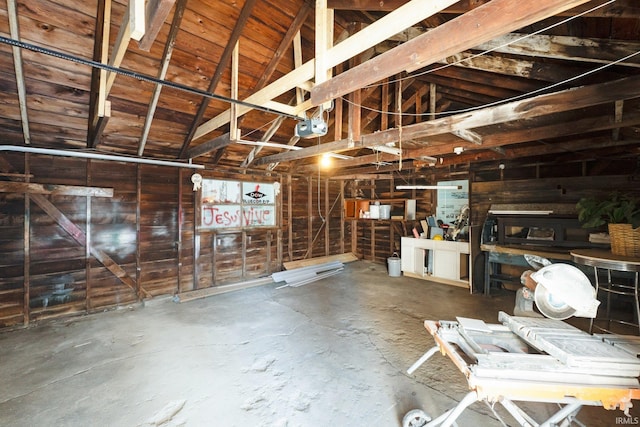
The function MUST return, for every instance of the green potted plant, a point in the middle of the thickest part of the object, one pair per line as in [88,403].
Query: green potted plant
[621,213]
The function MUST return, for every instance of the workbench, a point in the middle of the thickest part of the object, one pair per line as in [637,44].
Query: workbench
[535,360]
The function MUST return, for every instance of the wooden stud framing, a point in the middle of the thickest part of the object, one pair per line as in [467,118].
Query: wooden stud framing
[327,214]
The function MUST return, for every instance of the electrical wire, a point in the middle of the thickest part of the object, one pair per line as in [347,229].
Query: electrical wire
[564,21]
[506,100]
[524,37]
[139,76]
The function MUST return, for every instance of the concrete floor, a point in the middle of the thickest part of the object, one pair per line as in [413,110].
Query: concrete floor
[330,353]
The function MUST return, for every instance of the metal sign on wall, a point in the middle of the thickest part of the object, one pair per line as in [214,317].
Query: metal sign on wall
[235,204]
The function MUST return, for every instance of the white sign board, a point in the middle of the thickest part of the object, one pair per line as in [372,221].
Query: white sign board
[234,204]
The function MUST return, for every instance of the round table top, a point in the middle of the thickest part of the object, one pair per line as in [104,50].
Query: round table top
[603,258]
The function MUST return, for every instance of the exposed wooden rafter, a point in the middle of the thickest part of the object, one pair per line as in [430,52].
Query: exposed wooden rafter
[540,105]
[619,9]
[166,59]
[132,27]
[600,51]
[391,24]
[156,13]
[479,25]
[17,64]
[223,62]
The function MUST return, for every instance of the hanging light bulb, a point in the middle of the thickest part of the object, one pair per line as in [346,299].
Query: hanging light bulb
[325,160]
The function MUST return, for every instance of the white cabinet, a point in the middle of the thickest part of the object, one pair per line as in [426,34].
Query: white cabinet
[437,260]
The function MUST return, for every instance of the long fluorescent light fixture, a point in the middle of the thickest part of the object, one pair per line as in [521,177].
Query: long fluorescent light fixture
[428,187]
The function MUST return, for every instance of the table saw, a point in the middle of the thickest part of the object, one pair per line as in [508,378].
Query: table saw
[531,359]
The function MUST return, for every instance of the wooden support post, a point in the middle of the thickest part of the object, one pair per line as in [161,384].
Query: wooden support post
[87,245]
[196,239]
[138,219]
[327,235]
[214,258]
[384,116]
[269,238]
[310,218]
[290,217]
[180,227]
[342,216]
[244,254]
[26,310]
[233,109]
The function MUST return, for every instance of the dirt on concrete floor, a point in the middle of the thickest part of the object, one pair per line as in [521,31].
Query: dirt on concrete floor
[333,352]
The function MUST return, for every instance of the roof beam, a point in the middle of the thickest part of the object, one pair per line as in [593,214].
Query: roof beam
[17,64]
[209,146]
[292,35]
[600,51]
[223,62]
[565,100]
[125,34]
[334,147]
[391,24]
[542,134]
[99,110]
[166,58]
[619,9]
[479,25]
[156,13]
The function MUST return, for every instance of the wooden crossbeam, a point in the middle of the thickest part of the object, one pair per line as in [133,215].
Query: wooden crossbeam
[392,23]
[63,190]
[209,146]
[477,26]
[156,13]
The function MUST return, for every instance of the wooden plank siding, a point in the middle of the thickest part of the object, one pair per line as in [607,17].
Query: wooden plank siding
[149,228]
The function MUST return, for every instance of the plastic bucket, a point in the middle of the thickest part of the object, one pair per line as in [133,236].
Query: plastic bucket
[385,211]
[394,265]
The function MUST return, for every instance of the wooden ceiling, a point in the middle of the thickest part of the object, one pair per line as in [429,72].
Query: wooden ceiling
[401,84]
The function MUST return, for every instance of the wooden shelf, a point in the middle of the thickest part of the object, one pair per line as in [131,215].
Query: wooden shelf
[352,208]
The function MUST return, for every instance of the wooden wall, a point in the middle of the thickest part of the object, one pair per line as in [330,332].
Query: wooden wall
[376,240]
[71,253]
[68,247]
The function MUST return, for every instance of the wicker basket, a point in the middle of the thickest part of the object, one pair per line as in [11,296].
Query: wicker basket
[625,240]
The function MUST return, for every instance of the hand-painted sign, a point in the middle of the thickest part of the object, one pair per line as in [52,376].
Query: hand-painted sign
[233,204]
